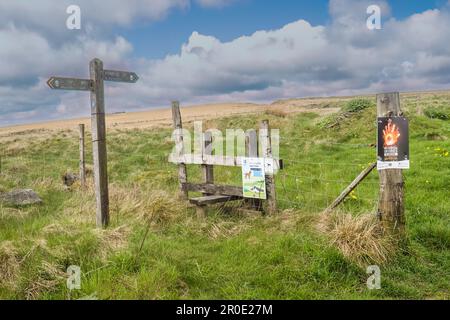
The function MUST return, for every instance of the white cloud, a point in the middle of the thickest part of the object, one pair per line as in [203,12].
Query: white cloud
[50,15]
[26,55]
[300,59]
[215,3]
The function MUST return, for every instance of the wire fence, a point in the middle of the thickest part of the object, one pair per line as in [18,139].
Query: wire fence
[317,185]
[310,181]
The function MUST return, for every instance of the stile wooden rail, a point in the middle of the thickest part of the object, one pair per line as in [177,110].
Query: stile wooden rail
[213,193]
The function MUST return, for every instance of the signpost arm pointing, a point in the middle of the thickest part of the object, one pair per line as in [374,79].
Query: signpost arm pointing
[99,142]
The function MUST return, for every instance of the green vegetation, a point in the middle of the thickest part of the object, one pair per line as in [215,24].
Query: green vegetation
[438,113]
[359,104]
[156,248]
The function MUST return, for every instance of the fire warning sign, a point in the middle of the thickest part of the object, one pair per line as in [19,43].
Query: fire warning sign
[393,143]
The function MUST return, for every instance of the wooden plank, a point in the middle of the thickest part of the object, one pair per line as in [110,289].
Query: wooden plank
[120,76]
[214,160]
[351,187]
[267,153]
[182,169]
[214,189]
[391,210]
[251,144]
[208,170]
[99,143]
[82,157]
[209,200]
[60,83]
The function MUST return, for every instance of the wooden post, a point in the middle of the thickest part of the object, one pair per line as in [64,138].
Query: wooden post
[82,158]
[182,170]
[351,187]
[99,142]
[251,151]
[95,85]
[207,170]
[391,201]
[251,142]
[266,147]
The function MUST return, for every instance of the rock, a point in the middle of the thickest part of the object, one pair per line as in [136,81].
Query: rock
[69,179]
[20,197]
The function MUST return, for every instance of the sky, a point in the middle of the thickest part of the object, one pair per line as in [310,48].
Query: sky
[207,51]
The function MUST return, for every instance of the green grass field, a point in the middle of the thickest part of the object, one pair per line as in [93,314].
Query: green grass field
[156,248]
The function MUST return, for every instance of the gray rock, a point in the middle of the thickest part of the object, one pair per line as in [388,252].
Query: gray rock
[20,197]
[69,179]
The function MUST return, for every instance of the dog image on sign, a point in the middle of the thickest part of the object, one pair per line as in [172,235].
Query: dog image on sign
[253,178]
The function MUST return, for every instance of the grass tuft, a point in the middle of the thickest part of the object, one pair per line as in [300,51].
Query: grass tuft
[9,265]
[359,238]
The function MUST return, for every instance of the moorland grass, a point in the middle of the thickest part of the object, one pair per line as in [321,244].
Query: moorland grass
[156,248]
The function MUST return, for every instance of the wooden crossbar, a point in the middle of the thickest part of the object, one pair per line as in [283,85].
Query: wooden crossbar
[215,160]
[208,200]
[214,189]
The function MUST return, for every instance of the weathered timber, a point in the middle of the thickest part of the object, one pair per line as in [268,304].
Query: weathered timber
[209,200]
[252,151]
[99,143]
[214,189]
[82,157]
[351,187]
[266,147]
[391,210]
[182,170]
[208,170]
[225,161]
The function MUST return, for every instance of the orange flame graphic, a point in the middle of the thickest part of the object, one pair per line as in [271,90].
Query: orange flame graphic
[391,134]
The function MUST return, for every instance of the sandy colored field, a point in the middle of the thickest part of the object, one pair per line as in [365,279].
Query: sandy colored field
[163,117]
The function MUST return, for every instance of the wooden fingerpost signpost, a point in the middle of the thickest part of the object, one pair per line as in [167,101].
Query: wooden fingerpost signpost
[391,206]
[96,87]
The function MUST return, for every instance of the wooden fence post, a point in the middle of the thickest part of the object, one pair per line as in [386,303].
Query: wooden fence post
[99,142]
[391,201]
[207,170]
[266,146]
[251,142]
[182,170]
[82,158]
